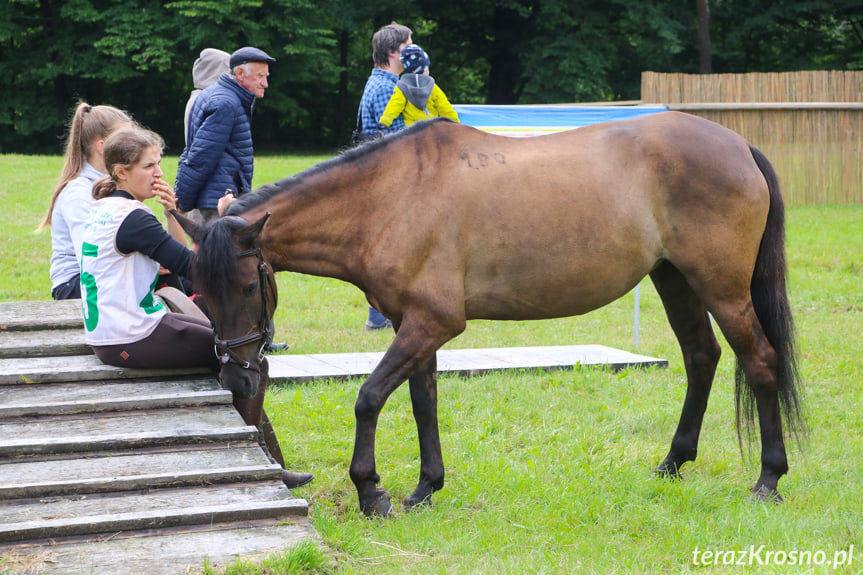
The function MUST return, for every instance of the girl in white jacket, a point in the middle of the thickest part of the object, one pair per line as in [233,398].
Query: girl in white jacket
[73,195]
[123,246]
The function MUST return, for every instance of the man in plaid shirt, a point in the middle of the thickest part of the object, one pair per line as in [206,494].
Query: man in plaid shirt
[387,44]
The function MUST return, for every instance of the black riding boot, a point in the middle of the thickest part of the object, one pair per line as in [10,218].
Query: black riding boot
[252,412]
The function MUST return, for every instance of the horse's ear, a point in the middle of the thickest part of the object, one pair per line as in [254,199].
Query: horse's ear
[190,227]
[250,235]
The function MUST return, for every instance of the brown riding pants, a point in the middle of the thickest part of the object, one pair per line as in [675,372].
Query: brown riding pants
[179,341]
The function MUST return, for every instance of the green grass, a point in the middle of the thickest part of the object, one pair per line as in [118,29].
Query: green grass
[304,557]
[551,472]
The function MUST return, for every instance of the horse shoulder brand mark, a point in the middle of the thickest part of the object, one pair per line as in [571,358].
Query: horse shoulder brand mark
[482,160]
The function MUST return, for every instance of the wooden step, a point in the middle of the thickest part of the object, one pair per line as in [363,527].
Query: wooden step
[93,397]
[124,430]
[40,315]
[153,509]
[112,470]
[101,472]
[43,343]
[166,552]
[77,368]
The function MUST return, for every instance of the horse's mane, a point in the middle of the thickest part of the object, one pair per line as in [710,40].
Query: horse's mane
[215,268]
[357,154]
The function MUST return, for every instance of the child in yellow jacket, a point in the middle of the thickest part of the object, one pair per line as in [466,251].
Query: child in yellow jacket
[416,96]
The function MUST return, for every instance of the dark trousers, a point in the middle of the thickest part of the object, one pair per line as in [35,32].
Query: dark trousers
[179,341]
[69,290]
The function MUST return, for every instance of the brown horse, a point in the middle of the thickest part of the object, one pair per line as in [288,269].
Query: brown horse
[443,223]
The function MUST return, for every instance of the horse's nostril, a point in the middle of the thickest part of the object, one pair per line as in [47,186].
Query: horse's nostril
[241,383]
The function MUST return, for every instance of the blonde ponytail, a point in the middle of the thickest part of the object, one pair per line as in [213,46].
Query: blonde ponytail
[89,124]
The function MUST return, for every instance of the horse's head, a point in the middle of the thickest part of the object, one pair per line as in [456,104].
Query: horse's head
[239,291]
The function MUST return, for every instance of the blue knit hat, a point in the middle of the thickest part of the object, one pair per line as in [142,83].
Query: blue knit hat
[414,59]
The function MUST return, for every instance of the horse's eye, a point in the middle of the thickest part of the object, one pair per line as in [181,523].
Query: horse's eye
[250,289]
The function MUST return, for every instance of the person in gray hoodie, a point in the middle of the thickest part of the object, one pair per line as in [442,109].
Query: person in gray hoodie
[417,96]
[211,64]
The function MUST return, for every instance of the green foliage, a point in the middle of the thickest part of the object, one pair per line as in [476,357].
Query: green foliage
[764,35]
[586,52]
[304,557]
[137,54]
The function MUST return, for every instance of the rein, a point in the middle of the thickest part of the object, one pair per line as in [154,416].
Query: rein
[225,347]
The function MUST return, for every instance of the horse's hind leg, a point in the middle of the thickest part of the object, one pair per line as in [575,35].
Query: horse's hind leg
[758,365]
[691,324]
[423,386]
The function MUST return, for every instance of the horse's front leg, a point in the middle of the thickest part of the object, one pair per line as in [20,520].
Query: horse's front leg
[370,401]
[423,386]
[413,347]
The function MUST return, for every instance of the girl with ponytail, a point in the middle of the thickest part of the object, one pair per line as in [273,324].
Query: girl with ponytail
[123,247]
[72,198]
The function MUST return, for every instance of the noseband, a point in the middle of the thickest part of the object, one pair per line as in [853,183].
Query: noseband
[225,347]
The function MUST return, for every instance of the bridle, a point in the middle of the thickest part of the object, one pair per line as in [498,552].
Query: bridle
[225,347]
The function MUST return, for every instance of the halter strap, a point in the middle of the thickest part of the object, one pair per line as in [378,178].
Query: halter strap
[225,347]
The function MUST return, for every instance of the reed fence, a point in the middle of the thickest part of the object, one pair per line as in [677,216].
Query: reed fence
[810,124]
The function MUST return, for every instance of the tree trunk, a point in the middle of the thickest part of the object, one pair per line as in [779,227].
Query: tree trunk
[704,57]
[504,78]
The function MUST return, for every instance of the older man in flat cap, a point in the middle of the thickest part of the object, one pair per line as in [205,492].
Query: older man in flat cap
[219,157]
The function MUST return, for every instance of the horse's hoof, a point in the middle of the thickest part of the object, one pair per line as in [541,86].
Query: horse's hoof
[413,502]
[380,507]
[764,495]
[668,470]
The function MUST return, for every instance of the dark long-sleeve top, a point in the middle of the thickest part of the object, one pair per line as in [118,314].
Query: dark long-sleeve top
[142,232]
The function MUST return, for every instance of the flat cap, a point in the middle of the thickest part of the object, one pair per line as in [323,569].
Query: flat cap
[249,54]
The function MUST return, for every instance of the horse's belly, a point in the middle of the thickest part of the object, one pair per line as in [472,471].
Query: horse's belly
[550,295]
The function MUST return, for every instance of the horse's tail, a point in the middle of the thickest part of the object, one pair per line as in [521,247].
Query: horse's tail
[770,300]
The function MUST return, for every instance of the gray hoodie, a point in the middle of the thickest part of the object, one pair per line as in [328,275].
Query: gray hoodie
[417,88]
[205,72]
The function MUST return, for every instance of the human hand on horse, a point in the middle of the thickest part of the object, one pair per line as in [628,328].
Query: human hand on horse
[224,202]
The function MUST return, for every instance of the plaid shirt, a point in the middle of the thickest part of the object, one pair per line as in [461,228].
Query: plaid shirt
[378,91]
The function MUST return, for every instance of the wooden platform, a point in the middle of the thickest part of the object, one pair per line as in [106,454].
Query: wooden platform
[105,470]
[24,345]
[466,362]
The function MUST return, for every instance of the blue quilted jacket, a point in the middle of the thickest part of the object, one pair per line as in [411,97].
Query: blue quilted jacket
[218,152]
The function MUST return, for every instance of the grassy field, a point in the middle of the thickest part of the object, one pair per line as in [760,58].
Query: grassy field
[551,472]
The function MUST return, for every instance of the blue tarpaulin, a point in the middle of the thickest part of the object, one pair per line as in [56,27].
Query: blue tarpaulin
[537,120]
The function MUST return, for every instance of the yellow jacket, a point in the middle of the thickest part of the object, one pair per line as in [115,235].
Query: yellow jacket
[417,97]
